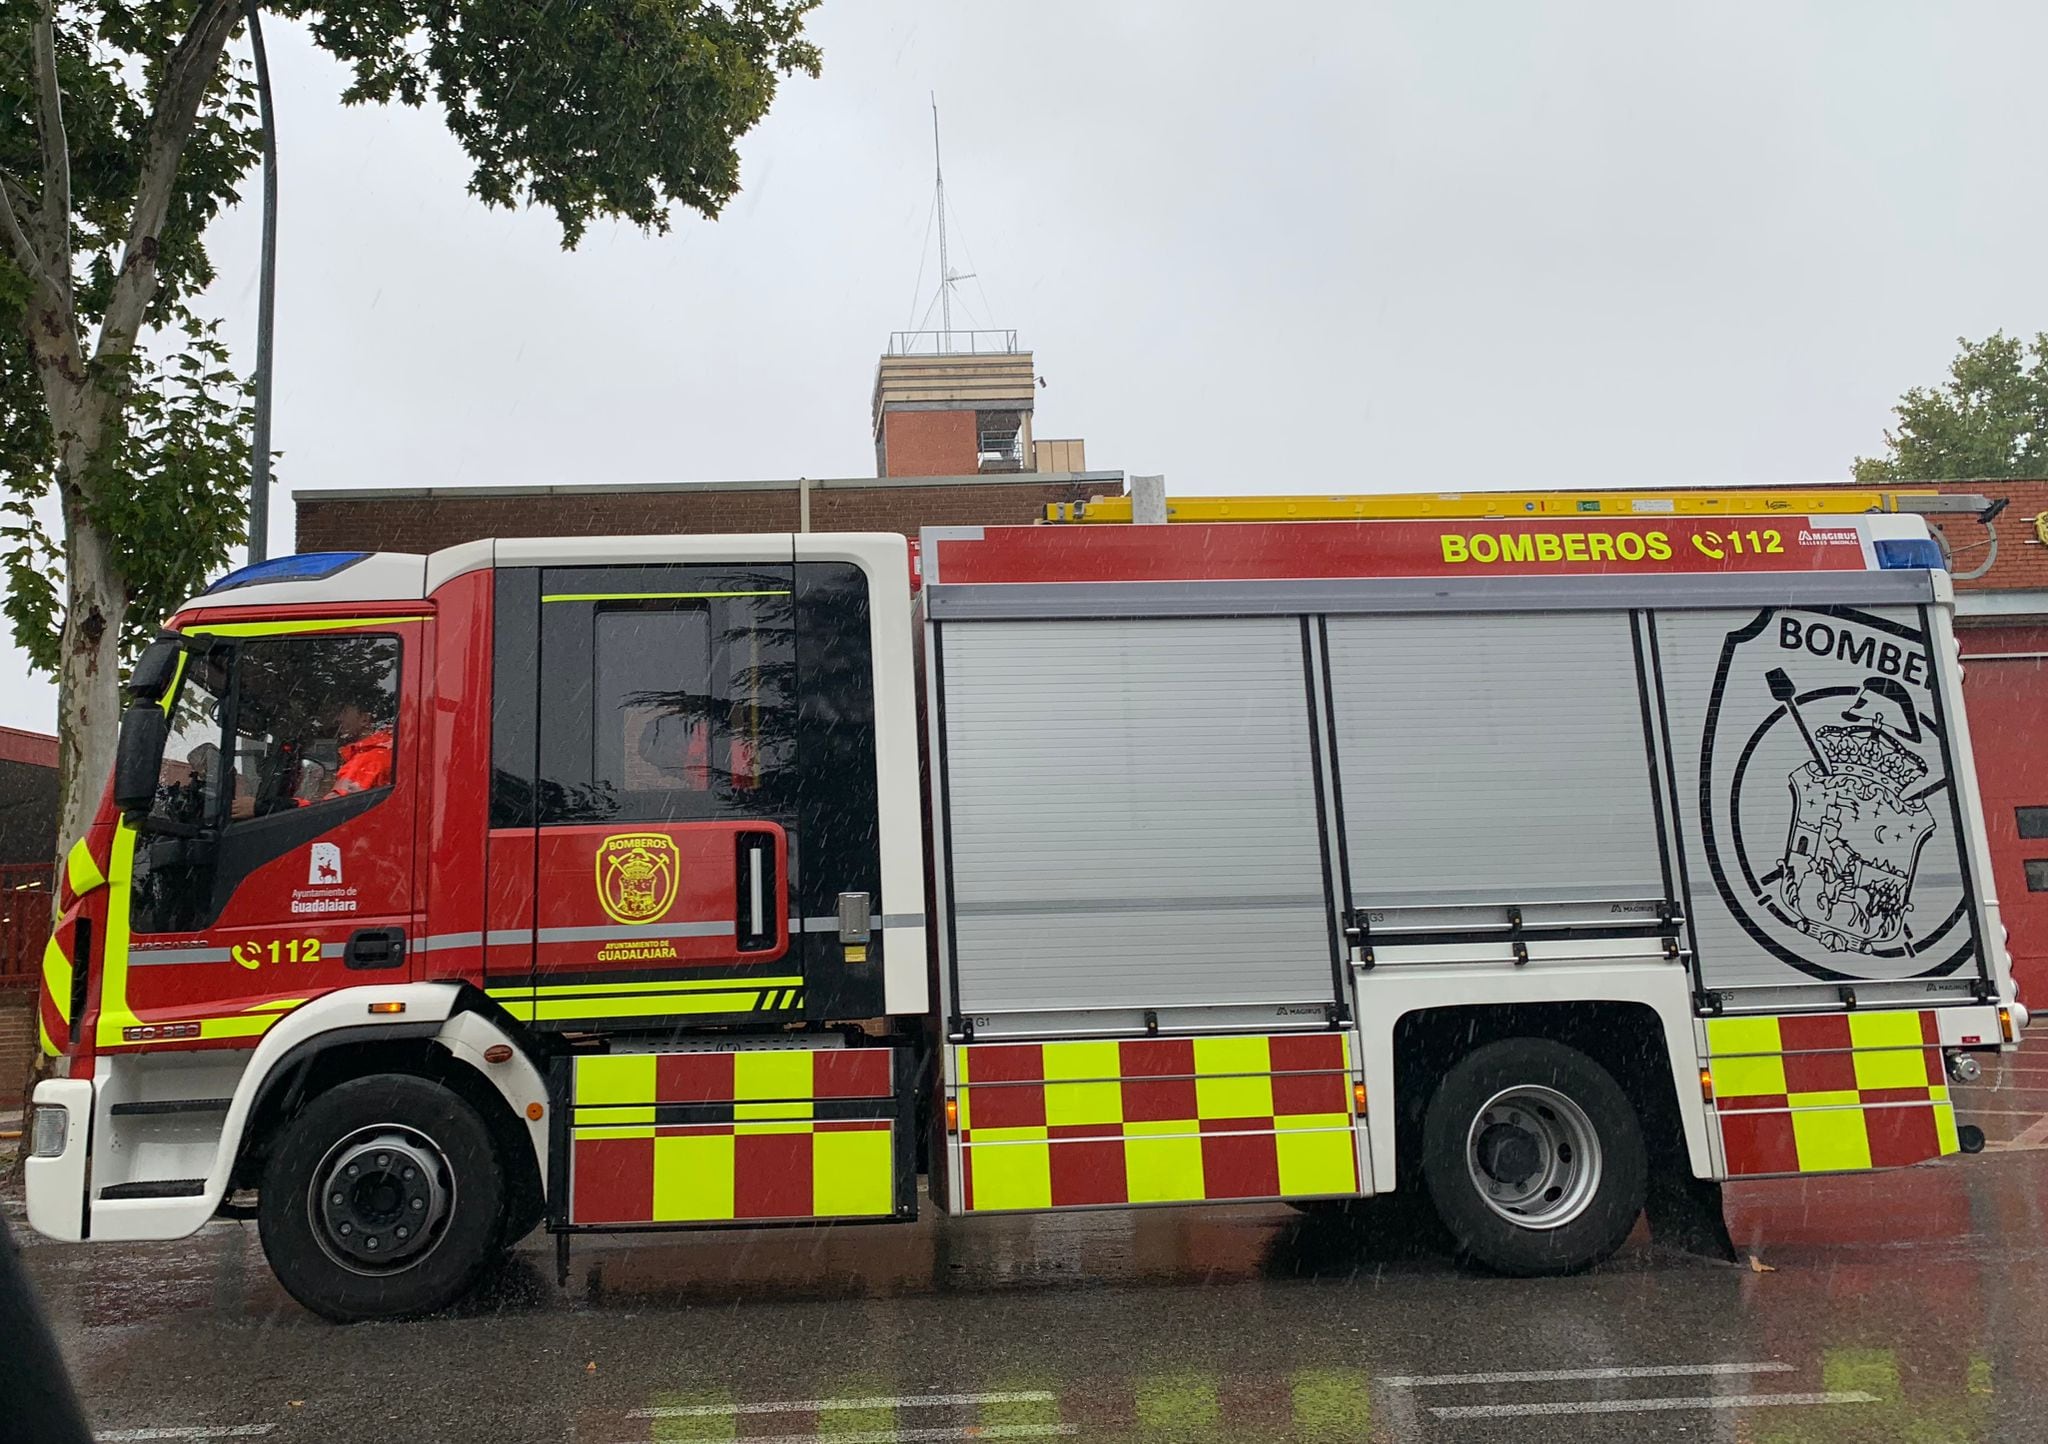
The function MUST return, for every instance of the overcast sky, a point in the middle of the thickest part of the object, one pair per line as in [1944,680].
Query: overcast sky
[1323,247]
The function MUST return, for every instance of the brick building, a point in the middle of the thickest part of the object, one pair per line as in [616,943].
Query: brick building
[421,519]
[2002,624]
[951,419]
[28,841]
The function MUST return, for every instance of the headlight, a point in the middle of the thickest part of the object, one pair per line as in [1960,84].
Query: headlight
[52,1132]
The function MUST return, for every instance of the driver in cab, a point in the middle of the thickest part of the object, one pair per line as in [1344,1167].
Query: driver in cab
[364,747]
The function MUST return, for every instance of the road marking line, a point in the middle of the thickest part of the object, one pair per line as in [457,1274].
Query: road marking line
[195,1431]
[1969,1113]
[820,1406]
[1647,1406]
[925,1436]
[2035,1133]
[1559,1376]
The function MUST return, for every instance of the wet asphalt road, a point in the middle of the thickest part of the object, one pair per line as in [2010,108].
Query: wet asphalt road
[1912,1306]
[1905,1307]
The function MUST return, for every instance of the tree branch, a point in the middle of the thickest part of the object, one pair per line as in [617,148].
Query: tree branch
[187,74]
[25,254]
[56,224]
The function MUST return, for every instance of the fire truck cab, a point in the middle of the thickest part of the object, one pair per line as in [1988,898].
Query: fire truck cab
[632,883]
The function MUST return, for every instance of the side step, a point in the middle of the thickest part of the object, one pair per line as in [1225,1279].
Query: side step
[157,1188]
[172,1105]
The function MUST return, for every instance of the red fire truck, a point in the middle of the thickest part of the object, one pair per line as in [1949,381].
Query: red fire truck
[1538,867]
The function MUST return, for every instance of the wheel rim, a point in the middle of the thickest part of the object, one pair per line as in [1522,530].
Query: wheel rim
[1533,1156]
[381,1198]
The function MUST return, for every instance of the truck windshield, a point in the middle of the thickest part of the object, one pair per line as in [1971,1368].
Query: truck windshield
[192,777]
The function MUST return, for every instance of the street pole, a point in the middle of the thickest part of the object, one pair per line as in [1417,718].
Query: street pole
[266,302]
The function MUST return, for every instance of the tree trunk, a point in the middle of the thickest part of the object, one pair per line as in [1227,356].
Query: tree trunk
[95,608]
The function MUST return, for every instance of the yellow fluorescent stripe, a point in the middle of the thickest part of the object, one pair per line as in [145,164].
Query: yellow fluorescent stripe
[997,1136]
[57,978]
[613,1114]
[659,985]
[292,628]
[82,870]
[275,1005]
[603,1130]
[616,1078]
[1885,1030]
[114,1011]
[1742,1035]
[771,1076]
[243,1027]
[771,1112]
[550,1009]
[649,596]
[43,1033]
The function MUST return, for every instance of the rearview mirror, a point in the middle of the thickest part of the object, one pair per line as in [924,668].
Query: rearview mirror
[154,670]
[139,756]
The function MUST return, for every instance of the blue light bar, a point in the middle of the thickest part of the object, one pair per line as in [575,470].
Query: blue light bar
[304,567]
[1910,554]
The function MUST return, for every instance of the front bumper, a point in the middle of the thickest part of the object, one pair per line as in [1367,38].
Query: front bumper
[56,1184]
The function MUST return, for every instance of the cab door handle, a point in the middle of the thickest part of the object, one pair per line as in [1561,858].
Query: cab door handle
[374,948]
[754,883]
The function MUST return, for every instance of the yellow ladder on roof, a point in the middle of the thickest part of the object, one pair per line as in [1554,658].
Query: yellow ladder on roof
[1456,505]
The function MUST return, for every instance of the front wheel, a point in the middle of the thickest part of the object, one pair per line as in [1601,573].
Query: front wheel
[383,1199]
[1533,1158]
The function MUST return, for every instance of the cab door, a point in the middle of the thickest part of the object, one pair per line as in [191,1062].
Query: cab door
[663,807]
[278,860]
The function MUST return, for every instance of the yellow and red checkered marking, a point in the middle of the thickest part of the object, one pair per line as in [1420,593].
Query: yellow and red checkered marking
[53,1004]
[724,1137]
[1829,1092]
[1155,1120]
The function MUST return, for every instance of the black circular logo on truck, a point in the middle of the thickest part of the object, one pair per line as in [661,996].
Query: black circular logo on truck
[1826,800]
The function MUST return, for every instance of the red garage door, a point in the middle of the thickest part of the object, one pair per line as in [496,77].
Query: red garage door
[2005,687]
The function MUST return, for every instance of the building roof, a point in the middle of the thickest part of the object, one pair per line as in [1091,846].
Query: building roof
[618,488]
[34,749]
[2022,535]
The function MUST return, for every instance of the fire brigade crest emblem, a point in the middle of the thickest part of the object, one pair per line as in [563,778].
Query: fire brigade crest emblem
[1825,797]
[636,876]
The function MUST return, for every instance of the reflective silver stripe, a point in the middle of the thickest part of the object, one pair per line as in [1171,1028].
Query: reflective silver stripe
[156,956]
[1052,907]
[830,923]
[514,937]
[649,930]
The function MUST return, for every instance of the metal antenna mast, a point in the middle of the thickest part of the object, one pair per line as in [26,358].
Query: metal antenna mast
[945,267]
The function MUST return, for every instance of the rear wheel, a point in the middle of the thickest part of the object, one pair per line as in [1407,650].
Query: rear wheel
[383,1199]
[1533,1158]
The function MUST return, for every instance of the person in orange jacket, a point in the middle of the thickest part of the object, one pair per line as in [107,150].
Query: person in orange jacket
[365,750]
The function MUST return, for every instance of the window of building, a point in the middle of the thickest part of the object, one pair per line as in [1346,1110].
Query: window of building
[2037,874]
[2033,821]
[1000,444]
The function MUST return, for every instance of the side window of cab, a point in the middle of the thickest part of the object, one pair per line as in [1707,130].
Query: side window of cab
[315,720]
[269,738]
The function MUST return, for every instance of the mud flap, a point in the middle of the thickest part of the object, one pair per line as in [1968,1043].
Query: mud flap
[1685,1214]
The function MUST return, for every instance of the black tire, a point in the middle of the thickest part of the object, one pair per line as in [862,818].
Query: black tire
[407,1120]
[1594,1194]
